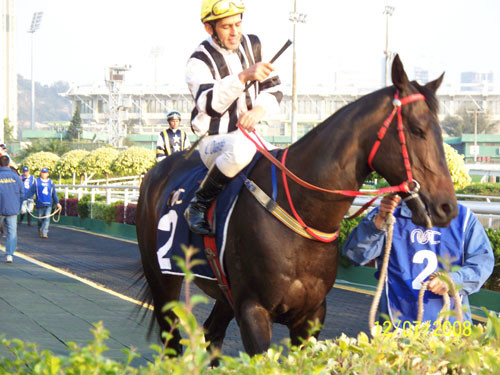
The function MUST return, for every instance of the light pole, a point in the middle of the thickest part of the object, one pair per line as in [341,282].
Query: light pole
[35,25]
[295,18]
[477,109]
[388,10]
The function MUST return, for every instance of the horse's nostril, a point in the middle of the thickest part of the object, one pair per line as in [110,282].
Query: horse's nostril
[446,208]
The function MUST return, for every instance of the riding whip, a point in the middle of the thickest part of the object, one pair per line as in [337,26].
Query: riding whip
[189,152]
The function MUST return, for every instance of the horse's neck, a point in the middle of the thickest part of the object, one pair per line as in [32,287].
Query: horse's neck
[334,156]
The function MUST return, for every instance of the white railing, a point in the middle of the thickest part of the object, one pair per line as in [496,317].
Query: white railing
[129,194]
[486,208]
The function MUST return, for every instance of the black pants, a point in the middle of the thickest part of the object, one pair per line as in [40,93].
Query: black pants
[21,217]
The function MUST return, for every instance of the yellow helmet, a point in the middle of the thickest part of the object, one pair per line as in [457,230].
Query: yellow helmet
[212,10]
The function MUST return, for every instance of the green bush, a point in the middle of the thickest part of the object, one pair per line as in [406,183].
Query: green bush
[494,281]
[84,206]
[492,189]
[105,212]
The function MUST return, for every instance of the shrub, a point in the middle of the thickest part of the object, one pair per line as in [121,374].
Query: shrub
[129,214]
[494,281]
[84,207]
[69,206]
[481,189]
[102,211]
[131,208]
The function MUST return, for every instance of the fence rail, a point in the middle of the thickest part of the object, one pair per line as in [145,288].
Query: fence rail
[486,208]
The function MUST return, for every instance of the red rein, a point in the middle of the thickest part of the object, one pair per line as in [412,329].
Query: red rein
[403,187]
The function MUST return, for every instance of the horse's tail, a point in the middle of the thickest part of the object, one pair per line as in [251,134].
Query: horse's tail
[160,288]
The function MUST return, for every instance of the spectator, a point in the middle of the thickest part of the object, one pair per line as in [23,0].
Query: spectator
[11,195]
[462,249]
[45,193]
[27,206]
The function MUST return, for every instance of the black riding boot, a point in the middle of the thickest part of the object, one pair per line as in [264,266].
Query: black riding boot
[211,186]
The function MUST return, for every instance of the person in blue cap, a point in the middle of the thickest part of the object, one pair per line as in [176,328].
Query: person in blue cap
[11,195]
[27,206]
[46,193]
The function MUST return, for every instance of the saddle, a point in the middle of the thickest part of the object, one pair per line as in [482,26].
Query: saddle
[173,230]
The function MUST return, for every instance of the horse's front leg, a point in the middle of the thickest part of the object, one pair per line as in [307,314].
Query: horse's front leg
[216,324]
[255,327]
[301,331]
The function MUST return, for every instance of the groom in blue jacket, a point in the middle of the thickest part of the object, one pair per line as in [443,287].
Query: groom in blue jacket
[11,197]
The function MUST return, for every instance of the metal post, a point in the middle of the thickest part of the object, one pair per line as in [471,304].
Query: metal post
[295,18]
[32,85]
[388,10]
[475,134]
[35,25]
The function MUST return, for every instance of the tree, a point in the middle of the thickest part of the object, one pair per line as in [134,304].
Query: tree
[69,163]
[456,166]
[463,123]
[7,130]
[99,161]
[452,126]
[35,162]
[75,126]
[134,161]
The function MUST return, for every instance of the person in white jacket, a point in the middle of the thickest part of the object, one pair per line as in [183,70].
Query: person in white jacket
[216,74]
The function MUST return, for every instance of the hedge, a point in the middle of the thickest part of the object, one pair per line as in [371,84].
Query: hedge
[115,213]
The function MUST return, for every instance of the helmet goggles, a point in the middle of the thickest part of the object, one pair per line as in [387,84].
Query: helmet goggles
[224,8]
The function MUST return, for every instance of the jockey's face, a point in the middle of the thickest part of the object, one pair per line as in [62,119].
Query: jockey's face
[44,175]
[174,123]
[228,30]
[26,174]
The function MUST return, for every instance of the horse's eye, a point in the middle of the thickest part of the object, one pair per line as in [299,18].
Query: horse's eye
[418,132]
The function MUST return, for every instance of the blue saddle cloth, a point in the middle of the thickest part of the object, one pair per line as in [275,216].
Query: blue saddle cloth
[173,230]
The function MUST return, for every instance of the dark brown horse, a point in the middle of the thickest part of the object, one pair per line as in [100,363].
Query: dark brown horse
[277,276]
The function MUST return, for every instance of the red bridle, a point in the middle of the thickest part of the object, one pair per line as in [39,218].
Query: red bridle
[398,103]
[404,187]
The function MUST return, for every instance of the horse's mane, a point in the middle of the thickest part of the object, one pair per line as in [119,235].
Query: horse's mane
[430,99]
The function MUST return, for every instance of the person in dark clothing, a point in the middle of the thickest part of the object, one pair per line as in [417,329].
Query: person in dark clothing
[11,197]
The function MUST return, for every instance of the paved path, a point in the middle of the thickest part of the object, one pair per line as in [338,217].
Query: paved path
[43,305]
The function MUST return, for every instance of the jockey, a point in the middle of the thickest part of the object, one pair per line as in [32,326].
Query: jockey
[171,139]
[216,74]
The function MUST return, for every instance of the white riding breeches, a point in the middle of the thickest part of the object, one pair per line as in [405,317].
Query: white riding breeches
[231,152]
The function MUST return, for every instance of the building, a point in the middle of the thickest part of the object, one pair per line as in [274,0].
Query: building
[482,148]
[8,74]
[476,82]
[145,107]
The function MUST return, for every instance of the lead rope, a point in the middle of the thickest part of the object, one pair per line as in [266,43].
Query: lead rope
[446,305]
[389,225]
[57,212]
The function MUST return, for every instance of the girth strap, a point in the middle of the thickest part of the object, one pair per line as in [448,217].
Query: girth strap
[284,217]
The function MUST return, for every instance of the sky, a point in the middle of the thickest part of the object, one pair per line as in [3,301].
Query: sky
[79,39]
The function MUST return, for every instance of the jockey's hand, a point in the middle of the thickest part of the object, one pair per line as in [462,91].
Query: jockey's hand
[59,206]
[250,119]
[438,286]
[387,206]
[257,72]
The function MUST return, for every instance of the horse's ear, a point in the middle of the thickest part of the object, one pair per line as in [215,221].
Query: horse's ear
[399,77]
[434,85]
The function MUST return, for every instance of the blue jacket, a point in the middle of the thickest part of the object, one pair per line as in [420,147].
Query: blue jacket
[11,192]
[464,244]
[27,182]
[45,193]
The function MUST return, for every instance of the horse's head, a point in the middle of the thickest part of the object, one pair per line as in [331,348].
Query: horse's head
[434,201]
